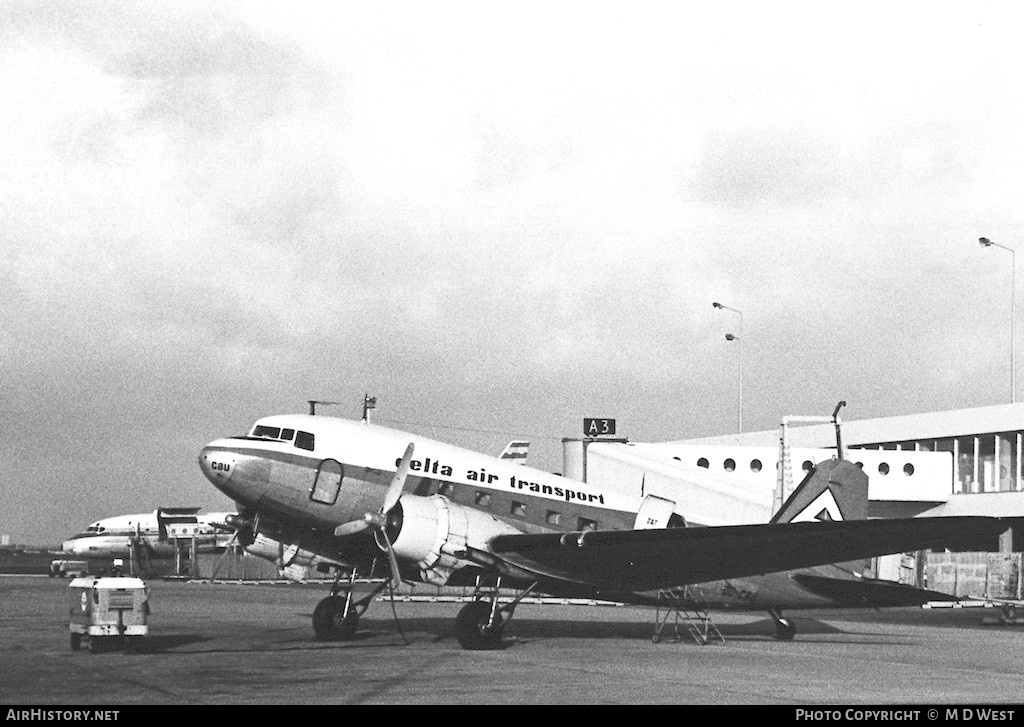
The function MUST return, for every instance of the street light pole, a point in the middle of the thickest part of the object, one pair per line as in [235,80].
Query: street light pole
[985,242]
[731,337]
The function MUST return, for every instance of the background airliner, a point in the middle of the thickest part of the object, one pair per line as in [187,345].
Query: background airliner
[152,533]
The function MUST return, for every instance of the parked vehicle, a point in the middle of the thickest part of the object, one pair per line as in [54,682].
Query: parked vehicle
[108,612]
[65,568]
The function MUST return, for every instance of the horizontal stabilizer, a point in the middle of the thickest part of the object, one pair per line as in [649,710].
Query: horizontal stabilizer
[868,591]
[648,559]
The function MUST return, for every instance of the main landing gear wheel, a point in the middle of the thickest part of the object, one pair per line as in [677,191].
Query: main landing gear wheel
[330,623]
[76,641]
[473,627]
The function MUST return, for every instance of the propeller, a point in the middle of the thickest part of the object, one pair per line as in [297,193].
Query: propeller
[223,556]
[245,534]
[379,520]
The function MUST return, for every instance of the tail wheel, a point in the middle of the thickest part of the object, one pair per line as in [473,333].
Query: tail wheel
[330,623]
[785,629]
[472,630]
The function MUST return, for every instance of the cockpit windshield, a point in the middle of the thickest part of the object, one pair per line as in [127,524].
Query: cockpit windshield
[302,440]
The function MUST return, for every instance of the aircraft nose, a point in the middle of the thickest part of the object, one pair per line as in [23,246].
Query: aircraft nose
[217,464]
[68,546]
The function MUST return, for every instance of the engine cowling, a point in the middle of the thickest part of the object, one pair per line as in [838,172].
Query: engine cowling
[434,533]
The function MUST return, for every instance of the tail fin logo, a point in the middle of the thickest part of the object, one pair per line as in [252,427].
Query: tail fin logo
[823,507]
[828,484]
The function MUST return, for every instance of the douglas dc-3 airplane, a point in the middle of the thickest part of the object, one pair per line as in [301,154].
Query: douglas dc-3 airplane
[354,491]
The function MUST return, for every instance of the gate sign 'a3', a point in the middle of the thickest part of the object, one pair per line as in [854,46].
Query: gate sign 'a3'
[598,427]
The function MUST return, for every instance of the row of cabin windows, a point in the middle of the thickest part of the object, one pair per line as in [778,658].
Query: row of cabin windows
[518,509]
[729,465]
[303,440]
[327,484]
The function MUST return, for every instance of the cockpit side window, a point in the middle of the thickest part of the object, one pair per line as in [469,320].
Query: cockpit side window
[287,434]
[304,440]
[265,431]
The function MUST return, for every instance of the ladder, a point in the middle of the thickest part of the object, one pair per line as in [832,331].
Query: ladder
[682,607]
[138,557]
[784,481]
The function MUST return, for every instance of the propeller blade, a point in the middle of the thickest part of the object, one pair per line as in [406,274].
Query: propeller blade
[398,483]
[220,560]
[391,497]
[396,577]
[351,528]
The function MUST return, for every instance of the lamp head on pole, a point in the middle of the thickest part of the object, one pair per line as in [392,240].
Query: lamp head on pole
[730,337]
[716,305]
[985,242]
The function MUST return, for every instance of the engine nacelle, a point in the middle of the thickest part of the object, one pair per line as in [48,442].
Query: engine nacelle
[434,533]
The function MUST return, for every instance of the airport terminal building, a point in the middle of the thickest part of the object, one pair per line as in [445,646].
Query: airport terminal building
[960,462]
[985,443]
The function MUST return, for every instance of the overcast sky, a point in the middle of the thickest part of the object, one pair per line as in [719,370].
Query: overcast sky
[497,218]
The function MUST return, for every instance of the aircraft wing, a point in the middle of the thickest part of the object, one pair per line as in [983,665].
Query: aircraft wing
[648,559]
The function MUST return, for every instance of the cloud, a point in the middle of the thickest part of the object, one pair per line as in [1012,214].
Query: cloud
[789,167]
[485,218]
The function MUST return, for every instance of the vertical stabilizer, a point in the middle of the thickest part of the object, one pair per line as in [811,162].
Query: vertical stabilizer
[835,489]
